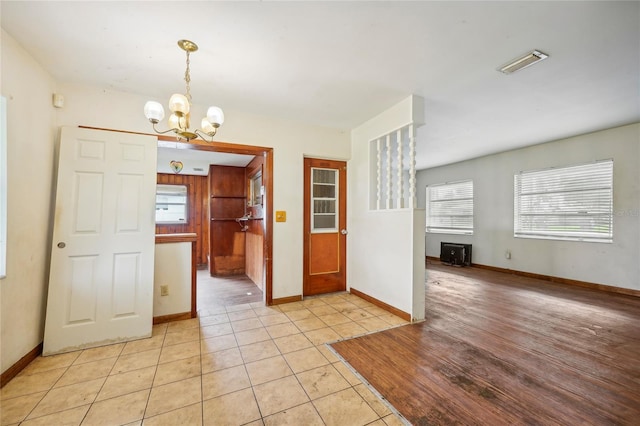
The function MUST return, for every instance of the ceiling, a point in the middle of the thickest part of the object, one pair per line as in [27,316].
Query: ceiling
[196,162]
[337,64]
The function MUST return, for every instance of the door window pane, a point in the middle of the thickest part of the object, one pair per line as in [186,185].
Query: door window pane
[324,203]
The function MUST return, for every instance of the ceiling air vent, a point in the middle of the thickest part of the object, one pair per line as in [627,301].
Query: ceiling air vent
[524,61]
[198,169]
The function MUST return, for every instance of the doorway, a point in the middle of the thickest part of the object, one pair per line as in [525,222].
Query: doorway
[265,266]
[325,226]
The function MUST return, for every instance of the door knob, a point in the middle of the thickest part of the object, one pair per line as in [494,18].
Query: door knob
[344,232]
[61,245]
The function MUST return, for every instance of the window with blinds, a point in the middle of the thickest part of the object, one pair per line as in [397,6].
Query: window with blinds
[570,203]
[450,208]
[171,204]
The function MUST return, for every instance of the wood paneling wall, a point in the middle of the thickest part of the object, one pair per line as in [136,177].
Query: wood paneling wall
[227,189]
[198,222]
[254,264]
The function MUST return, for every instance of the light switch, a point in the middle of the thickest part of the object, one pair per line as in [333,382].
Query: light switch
[281,216]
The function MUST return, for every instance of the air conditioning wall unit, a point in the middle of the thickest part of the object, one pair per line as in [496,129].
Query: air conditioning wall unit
[455,254]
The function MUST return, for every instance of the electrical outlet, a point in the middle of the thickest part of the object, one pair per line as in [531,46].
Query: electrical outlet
[164,290]
[507,254]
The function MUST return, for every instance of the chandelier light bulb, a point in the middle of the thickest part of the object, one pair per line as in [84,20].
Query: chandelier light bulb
[215,116]
[174,122]
[179,104]
[154,111]
[207,127]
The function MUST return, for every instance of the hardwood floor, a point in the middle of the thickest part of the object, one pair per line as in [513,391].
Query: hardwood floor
[214,292]
[500,349]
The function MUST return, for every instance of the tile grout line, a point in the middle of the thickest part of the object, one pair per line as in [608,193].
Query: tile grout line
[164,336]
[105,381]
[300,383]
[350,386]
[368,385]
[49,390]
[244,364]
[280,354]
[201,372]
[40,400]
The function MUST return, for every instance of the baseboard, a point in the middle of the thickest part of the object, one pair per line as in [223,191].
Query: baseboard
[584,284]
[283,300]
[20,365]
[172,317]
[380,304]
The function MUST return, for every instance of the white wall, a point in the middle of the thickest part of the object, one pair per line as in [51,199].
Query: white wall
[30,151]
[616,264]
[172,267]
[383,247]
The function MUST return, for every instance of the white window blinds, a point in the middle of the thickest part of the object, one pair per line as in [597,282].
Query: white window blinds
[450,208]
[569,203]
[171,204]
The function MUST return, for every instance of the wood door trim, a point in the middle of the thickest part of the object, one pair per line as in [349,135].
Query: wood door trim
[267,182]
[197,144]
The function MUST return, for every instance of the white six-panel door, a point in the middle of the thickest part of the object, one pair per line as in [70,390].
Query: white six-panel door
[102,258]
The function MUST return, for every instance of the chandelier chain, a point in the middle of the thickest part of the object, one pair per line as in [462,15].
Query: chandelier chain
[187,79]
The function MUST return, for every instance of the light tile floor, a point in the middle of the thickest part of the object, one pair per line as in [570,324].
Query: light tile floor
[235,365]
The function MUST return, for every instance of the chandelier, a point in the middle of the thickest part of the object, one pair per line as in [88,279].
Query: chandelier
[180,105]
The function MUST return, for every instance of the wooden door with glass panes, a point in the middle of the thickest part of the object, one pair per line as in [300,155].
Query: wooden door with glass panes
[325,220]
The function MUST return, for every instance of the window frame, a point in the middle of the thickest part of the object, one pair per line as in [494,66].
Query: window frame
[335,199]
[432,229]
[185,204]
[3,187]
[578,183]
